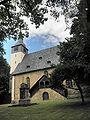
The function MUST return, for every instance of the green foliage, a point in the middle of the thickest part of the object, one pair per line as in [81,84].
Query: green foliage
[10,20]
[75,52]
[1,48]
[12,12]
[4,76]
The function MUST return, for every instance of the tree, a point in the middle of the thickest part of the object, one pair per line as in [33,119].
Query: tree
[4,79]
[88,10]
[12,11]
[67,72]
[10,22]
[71,66]
[4,73]
[75,52]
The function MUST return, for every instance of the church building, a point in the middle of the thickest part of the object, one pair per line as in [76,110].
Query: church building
[32,70]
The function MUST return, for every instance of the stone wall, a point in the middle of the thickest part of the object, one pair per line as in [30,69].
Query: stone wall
[19,79]
[52,95]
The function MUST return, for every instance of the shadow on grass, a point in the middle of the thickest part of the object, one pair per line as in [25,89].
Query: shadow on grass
[72,105]
[26,105]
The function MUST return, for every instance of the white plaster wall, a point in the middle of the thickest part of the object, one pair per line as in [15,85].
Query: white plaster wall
[12,92]
[16,58]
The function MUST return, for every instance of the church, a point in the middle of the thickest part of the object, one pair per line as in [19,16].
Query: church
[33,71]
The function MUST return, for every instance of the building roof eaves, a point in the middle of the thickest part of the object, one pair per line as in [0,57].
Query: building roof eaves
[13,74]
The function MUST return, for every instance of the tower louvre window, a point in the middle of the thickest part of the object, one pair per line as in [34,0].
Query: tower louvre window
[16,48]
[24,49]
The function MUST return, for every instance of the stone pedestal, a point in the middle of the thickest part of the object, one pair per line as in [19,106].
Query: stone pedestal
[24,101]
[24,95]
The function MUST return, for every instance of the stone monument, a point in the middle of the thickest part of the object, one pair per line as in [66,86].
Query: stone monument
[24,95]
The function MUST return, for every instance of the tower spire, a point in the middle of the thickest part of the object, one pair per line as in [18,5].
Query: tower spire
[18,51]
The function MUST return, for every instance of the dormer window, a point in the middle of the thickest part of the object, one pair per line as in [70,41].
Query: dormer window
[48,61]
[40,58]
[28,66]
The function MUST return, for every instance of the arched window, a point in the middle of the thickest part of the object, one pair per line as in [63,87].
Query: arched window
[46,73]
[69,83]
[47,83]
[45,96]
[28,82]
[41,84]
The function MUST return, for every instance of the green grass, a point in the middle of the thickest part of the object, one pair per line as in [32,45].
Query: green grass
[47,110]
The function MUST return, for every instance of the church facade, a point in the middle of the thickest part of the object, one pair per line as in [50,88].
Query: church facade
[33,70]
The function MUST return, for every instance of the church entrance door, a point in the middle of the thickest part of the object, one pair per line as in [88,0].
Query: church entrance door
[45,96]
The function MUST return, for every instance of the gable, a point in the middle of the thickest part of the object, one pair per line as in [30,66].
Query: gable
[38,85]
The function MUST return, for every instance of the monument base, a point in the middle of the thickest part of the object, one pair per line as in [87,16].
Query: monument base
[24,102]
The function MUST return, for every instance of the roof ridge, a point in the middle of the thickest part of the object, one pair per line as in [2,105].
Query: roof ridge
[42,50]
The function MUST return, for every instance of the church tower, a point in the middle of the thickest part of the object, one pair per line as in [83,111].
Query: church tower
[18,51]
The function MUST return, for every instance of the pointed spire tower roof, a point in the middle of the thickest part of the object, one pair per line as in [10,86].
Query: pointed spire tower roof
[19,42]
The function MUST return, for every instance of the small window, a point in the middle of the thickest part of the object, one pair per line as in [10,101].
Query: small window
[41,84]
[28,66]
[45,96]
[69,83]
[47,83]
[48,61]
[40,58]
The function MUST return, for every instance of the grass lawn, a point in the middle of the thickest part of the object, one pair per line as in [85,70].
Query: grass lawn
[48,110]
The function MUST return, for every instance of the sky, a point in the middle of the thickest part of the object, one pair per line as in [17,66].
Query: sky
[46,36]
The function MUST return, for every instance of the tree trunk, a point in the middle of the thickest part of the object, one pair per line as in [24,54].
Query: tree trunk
[88,10]
[80,90]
